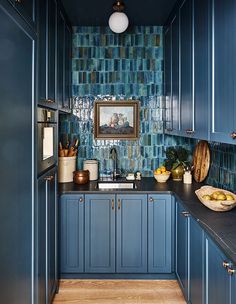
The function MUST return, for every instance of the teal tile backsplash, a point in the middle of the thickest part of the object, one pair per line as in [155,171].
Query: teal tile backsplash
[129,66]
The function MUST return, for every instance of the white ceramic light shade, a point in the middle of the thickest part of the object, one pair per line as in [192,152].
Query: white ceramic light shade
[118,22]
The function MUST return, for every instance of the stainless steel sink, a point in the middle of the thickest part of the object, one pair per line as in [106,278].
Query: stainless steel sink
[116,185]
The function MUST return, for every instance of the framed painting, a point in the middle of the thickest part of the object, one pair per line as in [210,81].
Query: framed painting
[116,119]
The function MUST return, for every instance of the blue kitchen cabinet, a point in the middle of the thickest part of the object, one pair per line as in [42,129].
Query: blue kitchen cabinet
[186,65]
[17,87]
[196,262]
[131,234]
[46,272]
[60,59]
[172,77]
[168,79]
[47,12]
[223,23]
[67,68]
[100,233]
[160,233]
[71,234]
[218,280]
[182,248]
[201,69]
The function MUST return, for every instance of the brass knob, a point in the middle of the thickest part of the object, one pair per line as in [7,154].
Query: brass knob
[233,135]
[231,271]
[151,200]
[49,178]
[225,264]
[49,100]
[81,200]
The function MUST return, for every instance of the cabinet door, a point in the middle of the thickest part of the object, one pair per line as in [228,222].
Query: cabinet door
[182,248]
[40,244]
[196,262]
[60,59]
[186,79]
[217,277]
[223,70]
[160,242]
[201,93]
[175,75]
[51,236]
[168,80]
[131,242]
[100,233]
[68,60]
[17,50]
[72,234]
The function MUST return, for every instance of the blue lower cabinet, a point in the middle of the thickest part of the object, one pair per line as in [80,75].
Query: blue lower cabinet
[131,242]
[72,234]
[218,280]
[182,248]
[196,263]
[160,233]
[100,233]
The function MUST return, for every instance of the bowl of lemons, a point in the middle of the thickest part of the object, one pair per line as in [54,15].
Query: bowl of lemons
[161,174]
[216,199]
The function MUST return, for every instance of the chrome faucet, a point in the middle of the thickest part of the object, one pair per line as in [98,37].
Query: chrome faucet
[113,156]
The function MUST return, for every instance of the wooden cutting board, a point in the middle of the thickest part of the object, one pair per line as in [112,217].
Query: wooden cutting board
[201,161]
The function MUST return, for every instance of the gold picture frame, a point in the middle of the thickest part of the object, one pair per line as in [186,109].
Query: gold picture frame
[116,119]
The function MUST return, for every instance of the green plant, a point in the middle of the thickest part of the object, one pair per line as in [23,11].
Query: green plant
[176,156]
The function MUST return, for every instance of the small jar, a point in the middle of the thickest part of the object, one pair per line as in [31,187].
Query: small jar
[187,177]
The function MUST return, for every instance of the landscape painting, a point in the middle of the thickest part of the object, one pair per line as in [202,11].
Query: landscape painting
[116,120]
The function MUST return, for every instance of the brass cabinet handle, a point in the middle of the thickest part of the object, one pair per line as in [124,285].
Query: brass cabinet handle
[112,204]
[151,200]
[81,200]
[185,213]
[225,264]
[233,135]
[119,204]
[231,271]
[49,178]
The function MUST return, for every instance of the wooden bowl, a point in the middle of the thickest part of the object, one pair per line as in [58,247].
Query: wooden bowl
[163,177]
[81,177]
[215,205]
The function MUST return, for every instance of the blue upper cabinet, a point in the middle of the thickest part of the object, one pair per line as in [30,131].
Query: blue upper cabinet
[71,233]
[168,79]
[100,233]
[131,233]
[218,280]
[182,248]
[196,263]
[27,10]
[160,233]
[67,68]
[223,110]
[201,69]
[186,63]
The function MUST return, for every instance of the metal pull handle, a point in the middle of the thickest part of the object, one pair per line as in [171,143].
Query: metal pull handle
[185,213]
[112,204]
[151,200]
[81,200]
[225,264]
[49,178]
[169,130]
[231,271]
[119,204]
[233,135]
[189,131]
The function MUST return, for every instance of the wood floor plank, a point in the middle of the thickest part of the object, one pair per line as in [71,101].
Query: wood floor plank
[119,291]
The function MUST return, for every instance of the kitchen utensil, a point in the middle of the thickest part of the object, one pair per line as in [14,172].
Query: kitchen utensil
[81,177]
[215,205]
[201,161]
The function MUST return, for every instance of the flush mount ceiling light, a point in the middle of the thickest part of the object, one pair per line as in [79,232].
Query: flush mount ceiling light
[118,21]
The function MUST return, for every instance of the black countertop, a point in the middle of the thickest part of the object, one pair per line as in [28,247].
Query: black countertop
[221,226]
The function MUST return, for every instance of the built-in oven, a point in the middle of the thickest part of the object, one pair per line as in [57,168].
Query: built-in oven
[47,138]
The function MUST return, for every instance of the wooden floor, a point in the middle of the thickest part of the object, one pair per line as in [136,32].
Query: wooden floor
[119,291]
